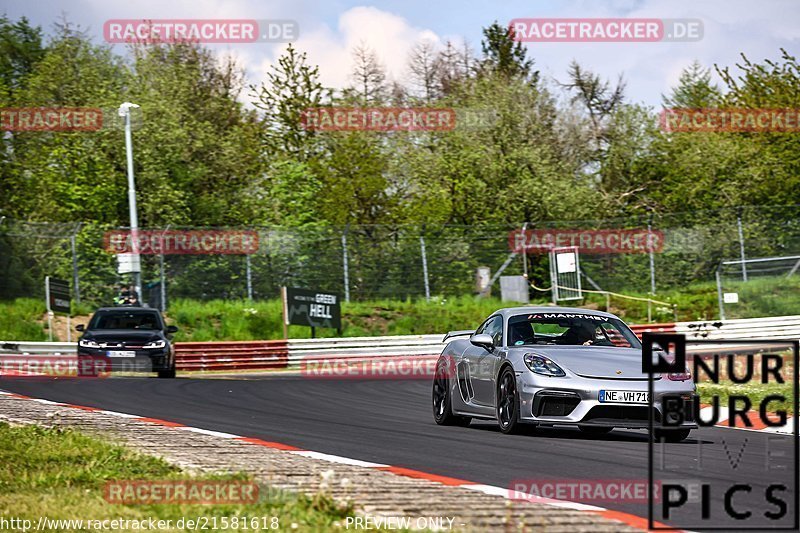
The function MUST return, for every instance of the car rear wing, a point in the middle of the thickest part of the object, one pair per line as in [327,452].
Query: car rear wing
[461,333]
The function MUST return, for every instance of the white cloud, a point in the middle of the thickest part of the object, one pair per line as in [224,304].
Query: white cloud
[389,35]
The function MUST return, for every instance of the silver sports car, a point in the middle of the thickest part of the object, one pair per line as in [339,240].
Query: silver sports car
[553,366]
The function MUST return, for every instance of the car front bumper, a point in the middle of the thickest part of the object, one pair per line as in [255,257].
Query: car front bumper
[575,401]
[149,360]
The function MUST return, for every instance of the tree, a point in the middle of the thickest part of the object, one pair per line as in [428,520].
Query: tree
[503,55]
[453,67]
[694,90]
[292,88]
[21,48]
[368,76]
[423,66]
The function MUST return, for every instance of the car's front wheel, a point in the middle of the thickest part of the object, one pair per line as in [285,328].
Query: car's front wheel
[442,404]
[507,401]
[167,374]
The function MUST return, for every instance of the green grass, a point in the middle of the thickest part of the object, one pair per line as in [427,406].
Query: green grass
[756,392]
[216,319]
[22,319]
[61,474]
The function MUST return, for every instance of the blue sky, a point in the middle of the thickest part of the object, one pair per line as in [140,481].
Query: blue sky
[330,29]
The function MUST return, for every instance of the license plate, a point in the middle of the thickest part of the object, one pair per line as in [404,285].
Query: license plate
[622,396]
[117,353]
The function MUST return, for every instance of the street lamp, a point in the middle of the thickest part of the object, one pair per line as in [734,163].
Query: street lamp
[125,111]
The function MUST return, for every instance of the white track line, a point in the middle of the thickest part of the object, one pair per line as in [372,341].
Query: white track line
[209,432]
[121,415]
[336,459]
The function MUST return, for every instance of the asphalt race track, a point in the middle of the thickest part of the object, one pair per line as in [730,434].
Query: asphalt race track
[390,422]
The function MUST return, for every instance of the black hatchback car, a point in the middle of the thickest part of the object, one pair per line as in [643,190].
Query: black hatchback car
[128,339]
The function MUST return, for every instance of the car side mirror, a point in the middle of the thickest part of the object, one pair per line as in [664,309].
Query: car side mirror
[172,329]
[484,340]
[80,327]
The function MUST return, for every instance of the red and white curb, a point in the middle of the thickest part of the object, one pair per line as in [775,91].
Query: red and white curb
[626,518]
[707,412]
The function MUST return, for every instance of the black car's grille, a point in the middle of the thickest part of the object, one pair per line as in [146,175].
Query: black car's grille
[550,403]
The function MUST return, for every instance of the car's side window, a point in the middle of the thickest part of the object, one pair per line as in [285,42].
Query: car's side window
[494,327]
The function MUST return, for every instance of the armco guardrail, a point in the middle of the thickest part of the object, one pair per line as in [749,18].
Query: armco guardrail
[295,352]
[779,327]
[25,347]
[243,355]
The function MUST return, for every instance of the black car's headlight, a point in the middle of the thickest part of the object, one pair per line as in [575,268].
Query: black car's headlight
[540,364]
[155,344]
[88,343]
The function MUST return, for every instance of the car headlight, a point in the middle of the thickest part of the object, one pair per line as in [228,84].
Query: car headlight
[88,343]
[540,364]
[155,344]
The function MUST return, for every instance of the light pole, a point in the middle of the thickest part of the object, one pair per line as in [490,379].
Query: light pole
[125,111]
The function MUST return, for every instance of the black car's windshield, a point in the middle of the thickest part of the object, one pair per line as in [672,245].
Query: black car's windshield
[125,319]
[569,329]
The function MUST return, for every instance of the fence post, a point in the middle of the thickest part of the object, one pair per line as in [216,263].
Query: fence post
[75,277]
[345,265]
[425,266]
[719,294]
[652,261]
[741,245]
[162,281]
[249,277]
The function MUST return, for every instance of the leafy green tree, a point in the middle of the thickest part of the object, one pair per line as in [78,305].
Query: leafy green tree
[695,89]
[503,55]
[291,88]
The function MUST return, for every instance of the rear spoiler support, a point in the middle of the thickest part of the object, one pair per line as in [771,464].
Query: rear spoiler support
[460,333]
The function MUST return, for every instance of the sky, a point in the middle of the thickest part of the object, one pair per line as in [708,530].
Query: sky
[329,30]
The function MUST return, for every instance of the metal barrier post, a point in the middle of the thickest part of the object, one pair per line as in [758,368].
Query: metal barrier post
[741,246]
[425,268]
[345,265]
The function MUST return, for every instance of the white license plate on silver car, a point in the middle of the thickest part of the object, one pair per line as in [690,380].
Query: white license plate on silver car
[120,353]
[622,396]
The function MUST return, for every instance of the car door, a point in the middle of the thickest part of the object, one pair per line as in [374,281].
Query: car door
[482,363]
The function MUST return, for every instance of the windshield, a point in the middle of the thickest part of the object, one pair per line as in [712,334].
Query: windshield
[569,329]
[125,320]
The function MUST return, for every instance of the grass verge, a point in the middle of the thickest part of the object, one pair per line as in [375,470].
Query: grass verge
[756,392]
[23,319]
[61,474]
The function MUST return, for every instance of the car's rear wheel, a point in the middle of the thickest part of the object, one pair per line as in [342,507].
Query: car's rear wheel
[442,404]
[595,431]
[507,401]
[671,435]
